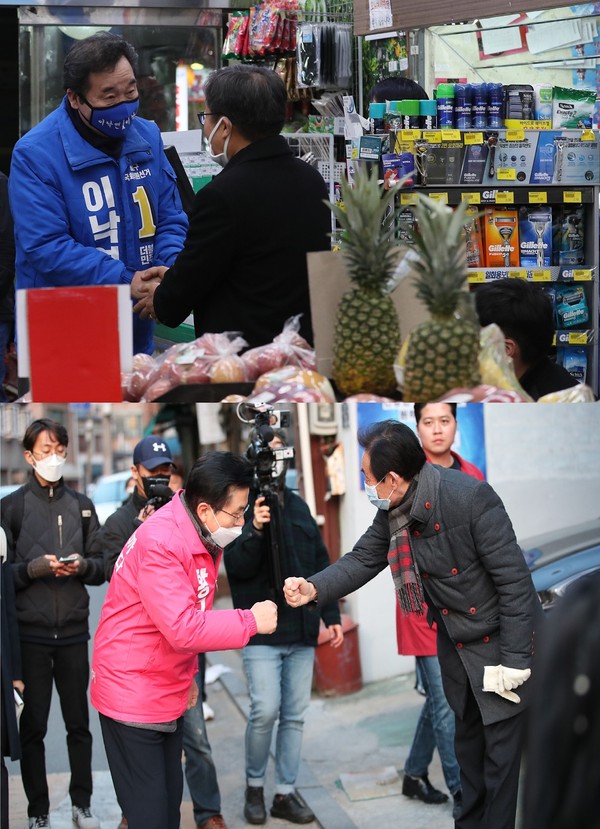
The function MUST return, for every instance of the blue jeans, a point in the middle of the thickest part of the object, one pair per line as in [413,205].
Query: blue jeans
[434,728]
[200,771]
[279,682]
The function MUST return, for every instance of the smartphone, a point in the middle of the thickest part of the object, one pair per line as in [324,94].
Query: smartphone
[68,559]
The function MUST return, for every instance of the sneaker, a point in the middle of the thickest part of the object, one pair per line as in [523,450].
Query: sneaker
[39,822]
[209,714]
[84,819]
[214,822]
[421,788]
[291,807]
[254,807]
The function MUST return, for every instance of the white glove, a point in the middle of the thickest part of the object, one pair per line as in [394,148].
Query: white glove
[513,677]
[496,681]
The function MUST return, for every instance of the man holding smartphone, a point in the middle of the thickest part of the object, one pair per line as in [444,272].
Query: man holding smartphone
[49,527]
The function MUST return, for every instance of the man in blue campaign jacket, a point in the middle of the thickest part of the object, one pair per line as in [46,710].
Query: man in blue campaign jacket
[93,196]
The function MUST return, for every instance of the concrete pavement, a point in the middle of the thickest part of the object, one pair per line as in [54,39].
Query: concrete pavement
[362,732]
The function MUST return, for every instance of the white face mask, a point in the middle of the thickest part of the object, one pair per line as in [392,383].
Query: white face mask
[225,535]
[50,468]
[220,158]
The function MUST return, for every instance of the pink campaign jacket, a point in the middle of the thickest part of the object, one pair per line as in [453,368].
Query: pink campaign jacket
[413,634]
[156,618]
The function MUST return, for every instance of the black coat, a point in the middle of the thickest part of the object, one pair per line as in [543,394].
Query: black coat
[243,265]
[546,377]
[11,665]
[475,578]
[303,552]
[116,530]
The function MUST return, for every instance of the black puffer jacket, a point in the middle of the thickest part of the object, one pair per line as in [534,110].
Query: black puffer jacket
[51,608]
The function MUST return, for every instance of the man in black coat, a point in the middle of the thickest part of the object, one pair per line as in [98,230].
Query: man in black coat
[449,543]
[243,264]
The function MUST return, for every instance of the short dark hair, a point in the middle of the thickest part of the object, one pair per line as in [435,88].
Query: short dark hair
[98,53]
[397,89]
[418,407]
[213,477]
[524,313]
[44,424]
[392,447]
[252,97]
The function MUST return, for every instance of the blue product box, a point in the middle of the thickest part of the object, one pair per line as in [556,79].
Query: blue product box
[535,237]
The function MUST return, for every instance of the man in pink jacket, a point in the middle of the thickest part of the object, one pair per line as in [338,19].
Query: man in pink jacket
[154,622]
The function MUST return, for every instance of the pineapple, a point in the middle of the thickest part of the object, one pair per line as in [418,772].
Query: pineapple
[367,331]
[441,353]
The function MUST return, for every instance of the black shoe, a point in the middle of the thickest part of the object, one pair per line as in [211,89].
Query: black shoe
[254,808]
[457,808]
[421,788]
[292,808]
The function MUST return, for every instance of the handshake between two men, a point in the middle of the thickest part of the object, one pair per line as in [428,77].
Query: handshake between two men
[143,285]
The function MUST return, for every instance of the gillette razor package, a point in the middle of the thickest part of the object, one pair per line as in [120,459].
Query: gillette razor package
[501,234]
[473,238]
[574,360]
[405,225]
[571,306]
[572,236]
[535,237]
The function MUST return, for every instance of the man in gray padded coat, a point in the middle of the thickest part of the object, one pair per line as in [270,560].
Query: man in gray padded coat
[452,553]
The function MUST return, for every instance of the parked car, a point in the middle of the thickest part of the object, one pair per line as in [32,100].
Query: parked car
[6,489]
[560,558]
[109,492]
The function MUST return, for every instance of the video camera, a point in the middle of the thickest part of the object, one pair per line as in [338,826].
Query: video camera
[264,419]
[158,491]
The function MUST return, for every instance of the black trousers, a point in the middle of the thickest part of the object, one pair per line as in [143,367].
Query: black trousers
[145,766]
[489,757]
[68,667]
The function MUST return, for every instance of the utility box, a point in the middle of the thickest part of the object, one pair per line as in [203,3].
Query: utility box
[337,670]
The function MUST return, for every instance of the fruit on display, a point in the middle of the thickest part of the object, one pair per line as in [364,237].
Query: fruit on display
[441,353]
[367,330]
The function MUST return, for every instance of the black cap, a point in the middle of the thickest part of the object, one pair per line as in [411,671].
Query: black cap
[151,452]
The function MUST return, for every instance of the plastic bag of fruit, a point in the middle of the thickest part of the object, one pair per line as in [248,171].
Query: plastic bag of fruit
[135,382]
[292,384]
[576,394]
[211,358]
[483,394]
[287,349]
[495,366]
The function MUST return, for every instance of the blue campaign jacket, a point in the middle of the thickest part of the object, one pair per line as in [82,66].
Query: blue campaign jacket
[84,218]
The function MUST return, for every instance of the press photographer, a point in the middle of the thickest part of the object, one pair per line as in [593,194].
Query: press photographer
[151,472]
[278,667]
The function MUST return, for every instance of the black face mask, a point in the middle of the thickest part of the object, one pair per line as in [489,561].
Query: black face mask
[152,482]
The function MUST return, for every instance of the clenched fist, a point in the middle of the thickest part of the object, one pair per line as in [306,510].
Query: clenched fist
[298,591]
[265,614]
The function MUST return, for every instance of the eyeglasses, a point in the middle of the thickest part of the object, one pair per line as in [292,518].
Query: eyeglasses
[61,452]
[237,516]
[202,116]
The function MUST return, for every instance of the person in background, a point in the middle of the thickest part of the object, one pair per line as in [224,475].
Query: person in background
[397,88]
[436,427]
[156,618]
[561,788]
[449,543]
[98,182]
[153,466]
[243,265]
[7,281]
[278,668]
[10,674]
[524,313]
[50,529]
